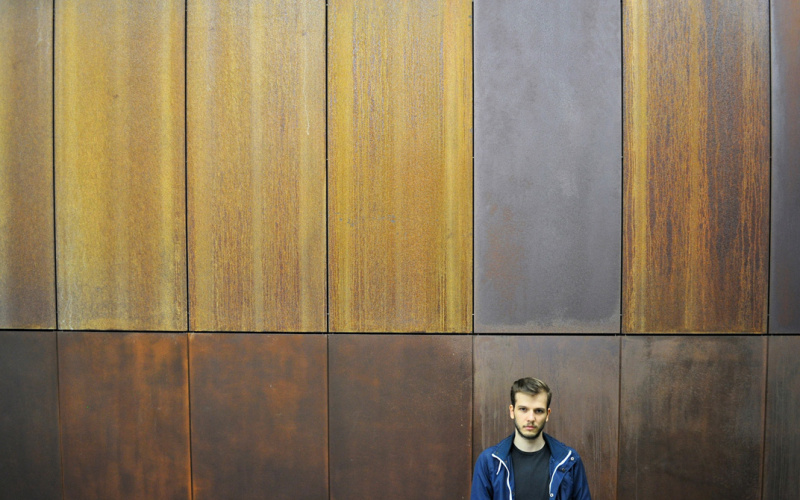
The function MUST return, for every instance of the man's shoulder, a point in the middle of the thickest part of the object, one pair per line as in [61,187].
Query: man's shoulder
[559,449]
[500,450]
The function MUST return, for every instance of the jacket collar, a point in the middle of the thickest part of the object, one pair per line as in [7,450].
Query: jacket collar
[558,450]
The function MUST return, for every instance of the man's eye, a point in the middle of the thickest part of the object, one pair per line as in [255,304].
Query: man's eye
[540,411]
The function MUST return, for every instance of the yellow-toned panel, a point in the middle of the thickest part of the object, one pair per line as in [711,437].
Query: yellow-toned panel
[696,170]
[256,169]
[120,177]
[400,165]
[27,272]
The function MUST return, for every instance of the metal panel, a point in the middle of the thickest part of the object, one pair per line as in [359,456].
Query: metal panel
[256,165]
[124,401]
[119,151]
[691,418]
[259,416]
[781,456]
[30,457]
[27,271]
[399,416]
[583,375]
[547,166]
[696,174]
[784,304]
[400,153]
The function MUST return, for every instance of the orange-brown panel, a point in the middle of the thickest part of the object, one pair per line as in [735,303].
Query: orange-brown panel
[691,417]
[259,416]
[256,165]
[124,401]
[400,416]
[583,375]
[27,271]
[400,165]
[696,168]
[120,177]
[30,457]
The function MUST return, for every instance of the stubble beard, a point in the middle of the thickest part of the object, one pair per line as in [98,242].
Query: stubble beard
[528,436]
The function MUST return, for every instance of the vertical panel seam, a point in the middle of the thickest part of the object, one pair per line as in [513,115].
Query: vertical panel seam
[53,155]
[621,161]
[327,188]
[769,168]
[186,157]
[764,415]
[472,139]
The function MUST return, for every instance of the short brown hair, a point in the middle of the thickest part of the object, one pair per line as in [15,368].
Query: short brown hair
[531,386]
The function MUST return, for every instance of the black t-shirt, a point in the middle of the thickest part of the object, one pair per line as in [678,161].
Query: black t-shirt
[531,473]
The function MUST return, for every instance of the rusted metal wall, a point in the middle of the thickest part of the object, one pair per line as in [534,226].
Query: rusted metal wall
[119,165]
[691,417]
[259,416]
[548,112]
[30,454]
[27,266]
[399,416]
[399,171]
[696,168]
[124,406]
[582,372]
[256,165]
[784,305]
[781,460]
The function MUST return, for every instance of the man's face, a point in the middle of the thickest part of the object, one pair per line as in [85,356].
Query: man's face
[530,414]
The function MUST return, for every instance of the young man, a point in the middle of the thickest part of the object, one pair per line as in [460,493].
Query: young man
[529,465]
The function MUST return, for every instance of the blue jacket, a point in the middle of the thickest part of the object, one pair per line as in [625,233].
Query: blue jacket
[494,474]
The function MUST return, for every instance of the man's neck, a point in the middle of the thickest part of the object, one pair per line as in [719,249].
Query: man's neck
[528,445]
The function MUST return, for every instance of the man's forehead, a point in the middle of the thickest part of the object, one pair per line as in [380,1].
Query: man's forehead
[531,399]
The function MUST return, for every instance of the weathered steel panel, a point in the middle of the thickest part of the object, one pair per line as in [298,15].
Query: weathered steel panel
[400,165]
[124,401]
[548,103]
[30,455]
[259,416]
[781,457]
[400,416]
[583,375]
[120,173]
[784,303]
[691,417]
[27,254]
[256,165]
[696,169]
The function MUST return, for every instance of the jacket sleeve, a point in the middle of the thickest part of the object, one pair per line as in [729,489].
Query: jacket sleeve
[580,486]
[481,482]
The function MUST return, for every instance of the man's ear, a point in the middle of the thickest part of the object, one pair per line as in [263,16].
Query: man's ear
[548,415]
[511,411]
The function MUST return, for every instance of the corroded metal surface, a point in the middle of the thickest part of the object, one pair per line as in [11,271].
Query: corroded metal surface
[27,270]
[784,303]
[259,416]
[696,173]
[400,165]
[256,165]
[124,400]
[691,417]
[120,173]
[583,374]
[399,416]
[547,166]
[30,455]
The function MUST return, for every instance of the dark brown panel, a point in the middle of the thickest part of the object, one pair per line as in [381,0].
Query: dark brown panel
[691,418]
[124,415]
[548,113]
[784,304]
[696,169]
[400,416]
[256,170]
[400,165]
[782,447]
[30,459]
[27,271]
[120,165]
[583,375]
[259,416]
